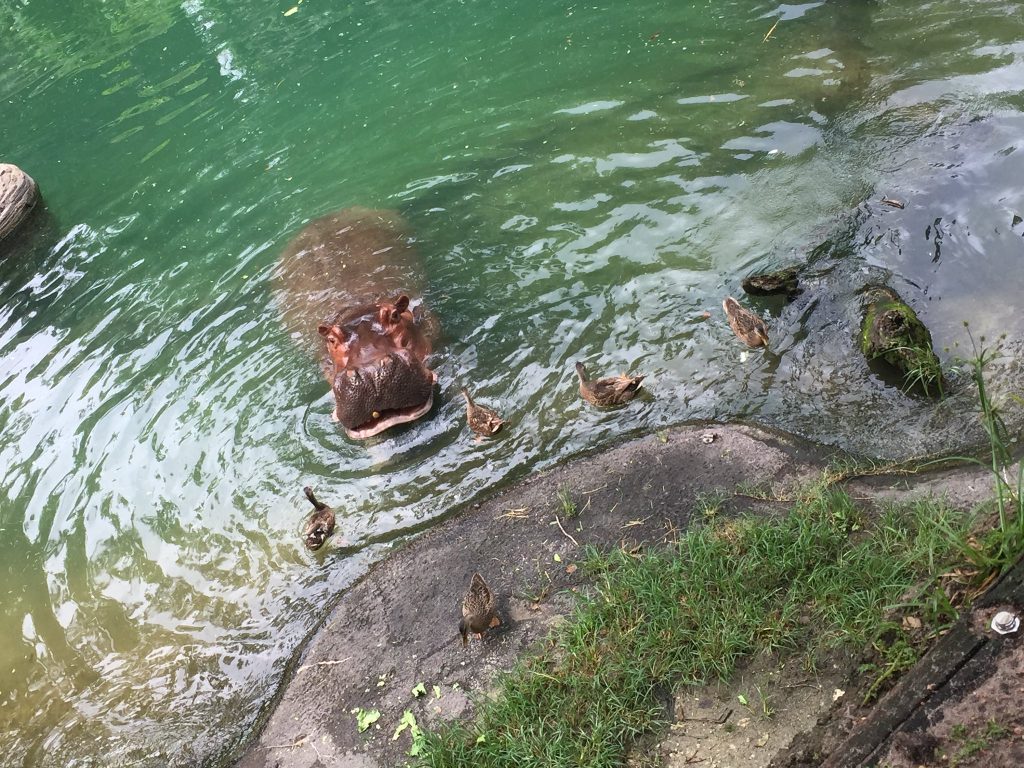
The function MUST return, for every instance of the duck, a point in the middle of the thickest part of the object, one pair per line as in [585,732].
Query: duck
[750,328]
[611,390]
[481,420]
[321,522]
[478,610]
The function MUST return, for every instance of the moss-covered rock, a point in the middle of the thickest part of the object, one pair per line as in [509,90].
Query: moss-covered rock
[892,332]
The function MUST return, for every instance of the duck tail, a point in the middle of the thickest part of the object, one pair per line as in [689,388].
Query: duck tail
[320,506]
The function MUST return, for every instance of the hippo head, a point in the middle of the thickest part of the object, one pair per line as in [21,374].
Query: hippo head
[379,375]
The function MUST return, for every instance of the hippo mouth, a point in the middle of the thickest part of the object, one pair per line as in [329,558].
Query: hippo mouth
[395,389]
[388,418]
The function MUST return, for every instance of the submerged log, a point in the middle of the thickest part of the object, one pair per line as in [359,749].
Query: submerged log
[18,196]
[892,332]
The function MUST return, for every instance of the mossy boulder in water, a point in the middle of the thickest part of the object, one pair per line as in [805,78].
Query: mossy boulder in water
[18,196]
[892,332]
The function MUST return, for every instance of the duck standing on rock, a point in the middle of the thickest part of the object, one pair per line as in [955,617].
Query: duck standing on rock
[750,328]
[481,420]
[611,390]
[478,610]
[321,522]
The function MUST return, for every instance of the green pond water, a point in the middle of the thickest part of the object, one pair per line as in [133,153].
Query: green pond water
[584,182]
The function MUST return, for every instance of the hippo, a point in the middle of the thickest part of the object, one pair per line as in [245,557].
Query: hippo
[349,283]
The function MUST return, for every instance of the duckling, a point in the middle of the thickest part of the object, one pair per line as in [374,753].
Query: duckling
[321,522]
[612,390]
[750,328]
[481,420]
[478,610]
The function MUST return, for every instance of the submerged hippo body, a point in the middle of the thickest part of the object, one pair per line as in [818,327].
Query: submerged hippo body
[344,284]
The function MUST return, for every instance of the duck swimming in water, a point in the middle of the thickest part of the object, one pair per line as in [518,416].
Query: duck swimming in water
[321,522]
[481,420]
[750,328]
[611,390]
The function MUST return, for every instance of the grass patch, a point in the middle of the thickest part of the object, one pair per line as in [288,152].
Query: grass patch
[823,576]
[566,503]
[970,744]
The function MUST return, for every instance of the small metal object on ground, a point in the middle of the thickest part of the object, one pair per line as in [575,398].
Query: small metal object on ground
[1005,623]
[708,437]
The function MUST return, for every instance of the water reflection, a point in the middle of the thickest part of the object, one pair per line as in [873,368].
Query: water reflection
[585,184]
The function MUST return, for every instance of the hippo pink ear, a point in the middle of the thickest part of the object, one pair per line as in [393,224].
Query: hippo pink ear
[324,330]
[402,303]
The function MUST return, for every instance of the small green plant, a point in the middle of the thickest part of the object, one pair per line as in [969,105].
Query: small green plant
[569,509]
[1002,546]
[897,653]
[709,504]
[764,709]
[922,371]
[973,743]
[995,729]
[761,491]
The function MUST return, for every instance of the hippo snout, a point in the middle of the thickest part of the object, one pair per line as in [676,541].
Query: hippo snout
[392,389]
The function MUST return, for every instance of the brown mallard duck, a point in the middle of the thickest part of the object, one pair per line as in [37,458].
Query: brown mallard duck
[478,610]
[750,328]
[321,522]
[611,390]
[481,420]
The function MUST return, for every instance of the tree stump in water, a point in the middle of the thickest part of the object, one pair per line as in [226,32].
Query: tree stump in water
[18,196]
[892,332]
